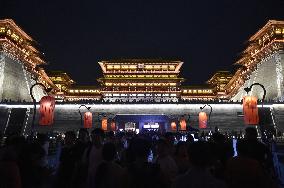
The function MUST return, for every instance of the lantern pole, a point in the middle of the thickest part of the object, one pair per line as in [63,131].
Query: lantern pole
[248,89]
[88,108]
[211,109]
[47,90]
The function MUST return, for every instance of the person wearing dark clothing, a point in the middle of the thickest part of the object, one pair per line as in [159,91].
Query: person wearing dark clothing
[141,173]
[67,161]
[80,169]
[108,173]
[249,169]
[198,175]
[250,147]
[32,172]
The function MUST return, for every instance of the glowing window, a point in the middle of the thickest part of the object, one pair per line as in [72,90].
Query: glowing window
[165,67]
[132,66]
[157,67]
[172,67]
[15,37]
[9,32]
[116,67]
[278,30]
[148,67]
[2,29]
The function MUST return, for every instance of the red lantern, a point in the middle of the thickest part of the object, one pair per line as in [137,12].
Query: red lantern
[173,126]
[88,117]
[250,110]
[182,124]
[104,124]
[46,110]
[202,120]
[112,126]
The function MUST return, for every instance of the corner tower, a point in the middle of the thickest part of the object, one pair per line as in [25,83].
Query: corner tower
[18,64]
[263,62]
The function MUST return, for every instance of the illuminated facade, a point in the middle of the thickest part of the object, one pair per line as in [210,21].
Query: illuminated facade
[205,92]
[19,61]
[68,91]
[141,80]
[219,81]
[262,61]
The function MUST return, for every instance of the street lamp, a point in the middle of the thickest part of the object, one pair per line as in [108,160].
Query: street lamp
[248,89]
[201,108]
[88,108]
[47,90]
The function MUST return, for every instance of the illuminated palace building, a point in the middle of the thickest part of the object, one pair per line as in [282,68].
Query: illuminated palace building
[141,82]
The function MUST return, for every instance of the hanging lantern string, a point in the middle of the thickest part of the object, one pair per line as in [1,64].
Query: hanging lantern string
[47,90]
[248,89]
[88,108]
[201,108]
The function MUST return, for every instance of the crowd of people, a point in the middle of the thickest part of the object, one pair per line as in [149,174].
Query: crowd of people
[128,160]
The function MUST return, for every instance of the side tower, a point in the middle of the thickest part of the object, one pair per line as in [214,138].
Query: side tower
[18,64]
[263,62]
[141,80]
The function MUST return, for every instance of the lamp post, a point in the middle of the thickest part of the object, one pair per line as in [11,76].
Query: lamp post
[211,109]
[88,108]
[174,118]
[47,90]
[248,89]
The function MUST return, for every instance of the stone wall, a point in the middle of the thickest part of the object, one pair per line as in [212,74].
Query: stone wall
[67,117]
[15,81]
[268,73]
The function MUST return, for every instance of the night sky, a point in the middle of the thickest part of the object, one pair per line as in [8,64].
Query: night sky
[206,35]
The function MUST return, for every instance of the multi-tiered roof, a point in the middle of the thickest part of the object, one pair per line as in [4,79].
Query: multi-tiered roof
[262,45]
[18,45]
[141,78]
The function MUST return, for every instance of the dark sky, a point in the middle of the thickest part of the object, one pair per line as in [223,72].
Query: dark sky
[207,35]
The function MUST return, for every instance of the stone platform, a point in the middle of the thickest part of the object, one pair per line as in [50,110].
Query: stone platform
[226,116]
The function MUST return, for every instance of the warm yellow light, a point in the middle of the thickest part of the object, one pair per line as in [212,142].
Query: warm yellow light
[2,29]
[278,30]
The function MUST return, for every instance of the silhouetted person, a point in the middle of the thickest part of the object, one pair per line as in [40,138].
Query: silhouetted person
[252,148]
[141,173]
[222,152]
[80,169]
[181,157]
[165,160]
[108,173]
[93,155]
[32,172]
[248,169]
[67,161]
[198,175]
[9,158]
